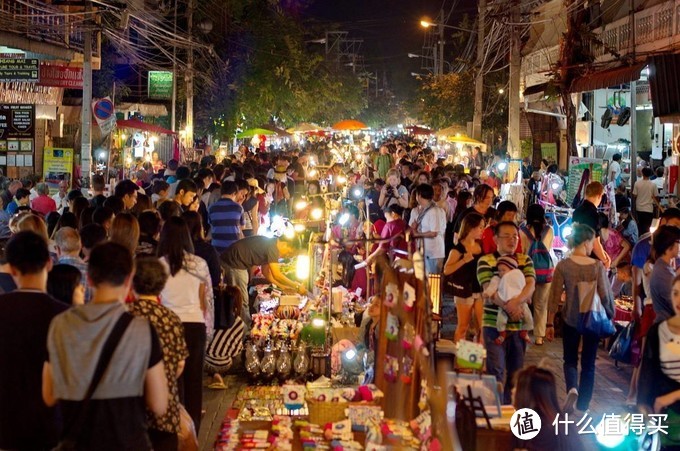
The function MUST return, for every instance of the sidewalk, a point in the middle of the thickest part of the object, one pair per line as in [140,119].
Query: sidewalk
[611,383]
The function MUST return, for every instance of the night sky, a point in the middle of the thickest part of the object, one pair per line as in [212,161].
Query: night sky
[390,29]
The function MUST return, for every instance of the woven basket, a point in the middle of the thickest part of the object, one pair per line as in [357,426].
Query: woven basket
[322,412]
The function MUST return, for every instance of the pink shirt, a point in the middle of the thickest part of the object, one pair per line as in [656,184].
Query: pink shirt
[613,244]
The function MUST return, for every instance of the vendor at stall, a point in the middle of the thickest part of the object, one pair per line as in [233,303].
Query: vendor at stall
[238,259]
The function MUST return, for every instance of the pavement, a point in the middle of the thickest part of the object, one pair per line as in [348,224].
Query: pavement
[611,387]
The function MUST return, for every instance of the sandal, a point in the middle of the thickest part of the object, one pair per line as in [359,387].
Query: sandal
[218,383]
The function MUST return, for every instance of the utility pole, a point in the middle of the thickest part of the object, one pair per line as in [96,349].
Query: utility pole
[479,78]
[189,78]
[441,43]
[173,125]
[514,146]
[86,111]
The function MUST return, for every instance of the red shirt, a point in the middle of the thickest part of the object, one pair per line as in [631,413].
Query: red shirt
[392,229]
[44,204]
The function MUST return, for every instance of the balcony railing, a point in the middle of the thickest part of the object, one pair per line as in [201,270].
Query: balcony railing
[43,22]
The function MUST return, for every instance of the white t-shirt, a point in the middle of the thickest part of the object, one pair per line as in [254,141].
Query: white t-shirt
[181,292]
[434,220]
[646,191]
[614,170]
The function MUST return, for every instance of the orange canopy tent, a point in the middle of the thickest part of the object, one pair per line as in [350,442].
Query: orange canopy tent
[349,124]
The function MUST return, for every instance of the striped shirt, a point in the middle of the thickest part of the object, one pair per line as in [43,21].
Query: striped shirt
[486,269]
[226,219]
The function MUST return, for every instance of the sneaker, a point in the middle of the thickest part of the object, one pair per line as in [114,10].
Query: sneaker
[570,402]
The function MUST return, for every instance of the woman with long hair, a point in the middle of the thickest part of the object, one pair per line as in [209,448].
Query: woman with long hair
[579,267]
[535,389]
[188,293]
[460,271]
[202,247]
[125,231]
[351,278]
[483,197]
[536,229]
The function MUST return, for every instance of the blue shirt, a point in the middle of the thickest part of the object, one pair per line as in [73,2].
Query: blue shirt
[641,251]
[660,285]
[12,207]
[226,219]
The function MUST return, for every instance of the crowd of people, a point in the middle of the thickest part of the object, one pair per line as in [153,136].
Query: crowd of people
[115,305]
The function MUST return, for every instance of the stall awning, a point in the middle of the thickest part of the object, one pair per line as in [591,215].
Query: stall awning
[139,125]
[607,78]
[664,86]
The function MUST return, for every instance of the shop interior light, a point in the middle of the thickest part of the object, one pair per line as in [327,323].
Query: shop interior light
[313,172]
[502,166]
[356,192]
[299,228]
[289,232]
[317,214]
[350,354]
[302,267]
[343,219]
[566,231]
[102,155]
[611,439]
[555,185]
[341,179]
[318,322]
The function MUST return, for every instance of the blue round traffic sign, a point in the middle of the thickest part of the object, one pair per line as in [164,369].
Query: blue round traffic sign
[103,109]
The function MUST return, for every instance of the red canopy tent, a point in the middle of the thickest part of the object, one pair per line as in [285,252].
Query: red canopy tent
[418,130]
[139,125]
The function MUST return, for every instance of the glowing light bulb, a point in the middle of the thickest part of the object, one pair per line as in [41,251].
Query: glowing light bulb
[316,214]
[301,205]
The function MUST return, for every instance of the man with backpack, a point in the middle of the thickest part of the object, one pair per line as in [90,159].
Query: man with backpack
[536,237]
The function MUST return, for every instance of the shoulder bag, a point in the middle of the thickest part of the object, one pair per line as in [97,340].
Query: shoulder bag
[592,318]
[69,442]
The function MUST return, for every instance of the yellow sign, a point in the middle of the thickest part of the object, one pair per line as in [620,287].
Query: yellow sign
[57,166]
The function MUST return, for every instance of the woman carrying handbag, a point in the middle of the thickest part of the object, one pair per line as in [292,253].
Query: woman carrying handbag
[584,279]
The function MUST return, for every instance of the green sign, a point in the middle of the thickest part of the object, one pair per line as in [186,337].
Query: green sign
[577,166]
[160,84]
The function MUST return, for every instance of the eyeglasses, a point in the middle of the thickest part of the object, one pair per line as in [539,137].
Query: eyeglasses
[512,237]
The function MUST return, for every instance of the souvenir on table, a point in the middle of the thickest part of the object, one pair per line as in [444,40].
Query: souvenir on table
[391,295]
[409,296]
[470,355]
[284,362]
[268,364]
[294,396]
[301,361]
[422,425]
[252,362]
[392,326]
[261,326]
[361,416]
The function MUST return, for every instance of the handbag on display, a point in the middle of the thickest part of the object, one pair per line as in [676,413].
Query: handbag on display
[593,319]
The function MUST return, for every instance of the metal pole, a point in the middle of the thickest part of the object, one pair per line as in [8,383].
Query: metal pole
[633,105]
[173,125]
[441,43]
[514,146]
[479,78]
[86,108]
[190,79]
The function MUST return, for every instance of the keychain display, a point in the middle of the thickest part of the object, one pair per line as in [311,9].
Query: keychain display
[409,296]
[391,295]
[392,327]
[391,368]
[408,336]
[407,369]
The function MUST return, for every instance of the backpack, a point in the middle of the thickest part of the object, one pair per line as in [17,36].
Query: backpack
[540,256]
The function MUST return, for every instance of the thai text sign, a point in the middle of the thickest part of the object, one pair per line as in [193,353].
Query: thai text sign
[61,76]
[160,84]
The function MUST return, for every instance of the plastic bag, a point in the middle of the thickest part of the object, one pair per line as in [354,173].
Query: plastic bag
[187,432]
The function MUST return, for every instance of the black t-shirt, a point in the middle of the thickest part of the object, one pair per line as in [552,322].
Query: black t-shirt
[98,201]
[25,421]
[250,251]
[117,423]
[467,211]
[587,214]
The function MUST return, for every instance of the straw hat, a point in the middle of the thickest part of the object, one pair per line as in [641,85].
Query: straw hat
[253,182]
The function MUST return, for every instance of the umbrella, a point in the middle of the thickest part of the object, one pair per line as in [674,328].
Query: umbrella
[255,131]
[452,130]
[304,127]
[418,130]
[350,124]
